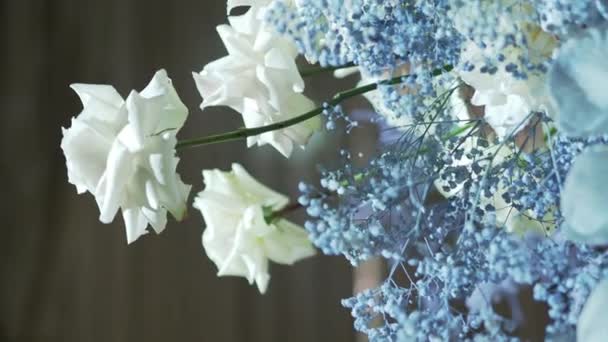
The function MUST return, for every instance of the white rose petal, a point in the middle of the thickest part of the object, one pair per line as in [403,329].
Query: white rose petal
[123,152]
[237,237]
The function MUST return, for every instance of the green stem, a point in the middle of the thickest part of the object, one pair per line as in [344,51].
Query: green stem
[337,99]
[271,216]
[311,71]
[248,132]
[459,130]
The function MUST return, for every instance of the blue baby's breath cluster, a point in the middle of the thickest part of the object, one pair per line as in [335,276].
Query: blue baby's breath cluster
[334,115]
[354,213]
[415,96]
[440,252]
[385,39]
[465,206]
[376,35]
[565,17]
[562,275]
[534,182]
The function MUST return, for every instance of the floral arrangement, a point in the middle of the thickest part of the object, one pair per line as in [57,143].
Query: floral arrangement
[488,189]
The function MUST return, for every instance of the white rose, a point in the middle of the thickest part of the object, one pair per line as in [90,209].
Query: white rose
[259,79]
[237,237]
[509,101]
[123,152]
[592,325]
[584,197]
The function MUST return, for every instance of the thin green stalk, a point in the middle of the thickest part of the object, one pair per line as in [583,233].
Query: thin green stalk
[337,99]
[271,216]
[248,132]
[459,130]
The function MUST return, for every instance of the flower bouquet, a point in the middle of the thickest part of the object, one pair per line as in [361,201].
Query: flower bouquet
[485,197]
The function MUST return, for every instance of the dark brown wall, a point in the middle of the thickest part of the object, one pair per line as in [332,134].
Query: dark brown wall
[66,277]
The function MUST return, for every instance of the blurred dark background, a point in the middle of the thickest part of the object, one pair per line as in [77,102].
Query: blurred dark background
[67,277]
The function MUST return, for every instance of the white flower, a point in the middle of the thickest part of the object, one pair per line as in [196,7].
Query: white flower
[576,84]
[591,326]
[237,238]
[509,101]
[123,152]
[259,79]
[584,198]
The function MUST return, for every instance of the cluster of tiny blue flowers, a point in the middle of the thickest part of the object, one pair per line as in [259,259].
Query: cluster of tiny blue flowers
[565,17]
[376,35]
[335,114]
[373,306]
[534,182]
[311,30]
[453,251]
[353,212]
[452,205]
[438,276]
[562,275]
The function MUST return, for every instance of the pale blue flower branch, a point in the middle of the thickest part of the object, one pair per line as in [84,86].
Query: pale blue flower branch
[243,133]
